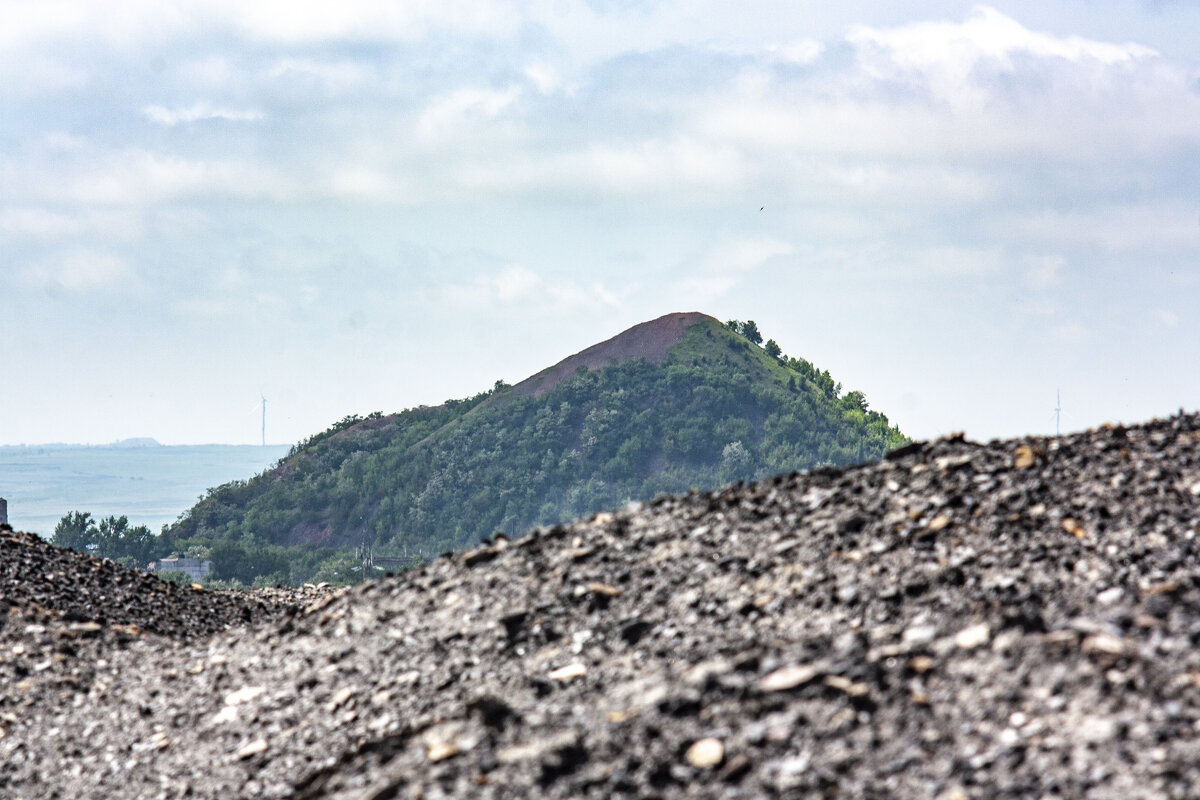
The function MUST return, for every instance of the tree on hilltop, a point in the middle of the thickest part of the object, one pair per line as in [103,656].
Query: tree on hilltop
[748,330]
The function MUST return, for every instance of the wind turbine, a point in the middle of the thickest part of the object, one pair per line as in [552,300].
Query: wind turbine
[1057,410]
[262,404]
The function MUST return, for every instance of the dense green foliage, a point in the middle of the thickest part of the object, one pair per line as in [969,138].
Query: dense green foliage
[233,563]
[111,537]
[719,408]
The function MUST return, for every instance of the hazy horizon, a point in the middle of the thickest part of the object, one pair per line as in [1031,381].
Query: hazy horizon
[150,485]
[958,209]
[119,444]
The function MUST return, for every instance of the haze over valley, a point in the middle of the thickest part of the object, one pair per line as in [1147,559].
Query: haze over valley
[152,486]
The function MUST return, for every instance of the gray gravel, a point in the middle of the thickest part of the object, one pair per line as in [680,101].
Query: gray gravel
[64,585]
[1015,619]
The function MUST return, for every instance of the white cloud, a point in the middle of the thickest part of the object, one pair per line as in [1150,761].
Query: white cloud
[456,114]
[1038,307]
[949,55]
[198,112]
[1045,272]
[33,24]
[884,261]
[140,177]
[703,291]
[283,20]
[675,168]
[986,34]
[509,284]
[569,296]
[858,130]
[1165,318]
[743,255]
[39,75]
[805,51]
[91,176]
[517,286]
[363,182]
[1072,332]
[543,76]
[906,182]
[514,283]
[952,91]
[1114,226]
[798,52]
[138,21]
[210,72]
[232,278]
[939,262]
[336,76]
[724,266]
[309,295]
[43,223]
[62,143]
[39,223]
[78,270]
[660,165]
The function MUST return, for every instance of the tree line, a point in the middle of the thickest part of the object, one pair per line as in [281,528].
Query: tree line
[233,564]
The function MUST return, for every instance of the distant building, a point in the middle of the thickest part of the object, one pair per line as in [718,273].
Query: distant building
[196,568]
[3,511]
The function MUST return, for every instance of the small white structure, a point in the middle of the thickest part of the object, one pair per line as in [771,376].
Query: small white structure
[196,568]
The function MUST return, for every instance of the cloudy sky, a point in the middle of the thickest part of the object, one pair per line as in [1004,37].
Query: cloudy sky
[351,206]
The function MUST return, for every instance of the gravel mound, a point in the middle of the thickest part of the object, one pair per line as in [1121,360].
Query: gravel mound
[64,585]
[1016,619]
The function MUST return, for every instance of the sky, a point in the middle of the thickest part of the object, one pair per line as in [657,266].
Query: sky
[961,210]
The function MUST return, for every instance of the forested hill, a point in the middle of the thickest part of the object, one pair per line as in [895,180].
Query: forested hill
[680,402]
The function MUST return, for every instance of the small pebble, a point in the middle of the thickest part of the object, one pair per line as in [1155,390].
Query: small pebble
[706,753]
[569,672]
[974,636]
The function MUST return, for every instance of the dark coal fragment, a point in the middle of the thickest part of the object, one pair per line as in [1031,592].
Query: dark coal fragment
[494,712]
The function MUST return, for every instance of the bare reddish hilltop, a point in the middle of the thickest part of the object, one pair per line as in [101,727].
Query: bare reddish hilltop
[650,340]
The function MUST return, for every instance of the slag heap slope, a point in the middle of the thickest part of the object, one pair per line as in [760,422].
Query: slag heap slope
[1012,619]
[649,340]
[39,580]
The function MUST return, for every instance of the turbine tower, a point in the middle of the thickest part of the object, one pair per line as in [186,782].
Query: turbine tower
[1057,410]
[264,419]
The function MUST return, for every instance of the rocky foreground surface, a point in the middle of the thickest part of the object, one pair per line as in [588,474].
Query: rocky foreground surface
[1017,619]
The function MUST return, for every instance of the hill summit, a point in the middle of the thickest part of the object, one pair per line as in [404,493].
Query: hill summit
[680,402]
[651,340]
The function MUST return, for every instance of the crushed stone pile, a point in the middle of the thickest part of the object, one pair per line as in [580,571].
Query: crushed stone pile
[63,585]
[1016,619]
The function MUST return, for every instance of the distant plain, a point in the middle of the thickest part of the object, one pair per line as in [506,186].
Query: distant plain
[150,485]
